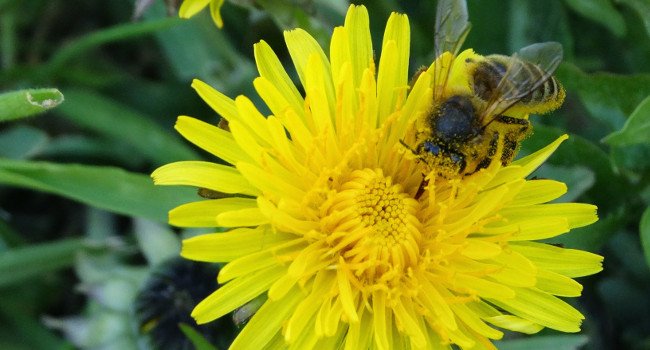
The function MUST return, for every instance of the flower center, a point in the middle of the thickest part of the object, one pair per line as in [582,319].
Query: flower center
[377,232]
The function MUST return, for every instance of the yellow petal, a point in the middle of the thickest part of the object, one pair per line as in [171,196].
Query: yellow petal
[382,324]
[283,220]
[538,191]
[557,284]
[269,256]
[360,44]
[480,249]
[222,104]
[299,323]
[235,293]
[577,214]
[292,118]
[393,66]
[278,103]
[230,245]
[321,101]
[437,305]
[242,217]
[275,186]
[407,320]
[417,104]
[525,229]
[516,270]
[212,176]
[543,309]
[191,7]
[253,119]
[301,46]
[204,213]
[514,323]
[340,54]
[334,318]
[483,287]
[248,141]
[568,262]
[270,68]
[264,327]
[215,12]
[359,336]
[472,321]
[368,98]
[346,294]
[210,138]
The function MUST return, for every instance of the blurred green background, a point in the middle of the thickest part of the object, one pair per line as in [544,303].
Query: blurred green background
[86,259]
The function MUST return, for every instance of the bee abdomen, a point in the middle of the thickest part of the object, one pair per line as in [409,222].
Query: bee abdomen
[545,92]
[521,76]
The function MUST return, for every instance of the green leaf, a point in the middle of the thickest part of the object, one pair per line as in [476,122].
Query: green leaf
[600,11]
[625,300]
[21,142]
[608,97]
[644,230]
[115,33]
[199,342]
[628,256]
[555,342]
[125,125]
[636,129]
[20,264]
[633,161]
[25,103]
[642,7]
[108,188]
[82,149]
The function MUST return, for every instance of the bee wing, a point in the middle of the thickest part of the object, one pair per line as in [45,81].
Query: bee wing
[451,29]
[527,70]
[452,26]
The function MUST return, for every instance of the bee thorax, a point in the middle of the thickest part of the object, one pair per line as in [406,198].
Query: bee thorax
[456,120]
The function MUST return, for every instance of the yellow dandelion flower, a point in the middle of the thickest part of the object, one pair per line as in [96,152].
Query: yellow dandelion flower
[190,8]
[333,221]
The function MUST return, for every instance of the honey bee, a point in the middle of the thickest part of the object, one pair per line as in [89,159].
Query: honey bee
[466,129]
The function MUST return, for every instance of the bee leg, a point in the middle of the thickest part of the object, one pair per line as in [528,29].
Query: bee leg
[458,160]
[416,75]
[407,146]
[491,152]
[514,131]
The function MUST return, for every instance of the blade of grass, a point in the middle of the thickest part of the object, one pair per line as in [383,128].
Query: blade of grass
[108,188]
[125,125]
[20,264]
[199,342]
[101,37]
